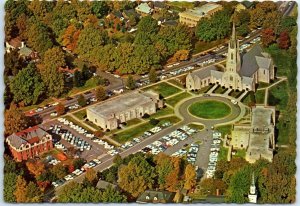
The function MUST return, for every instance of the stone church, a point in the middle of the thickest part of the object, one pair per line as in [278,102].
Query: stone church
[242,72]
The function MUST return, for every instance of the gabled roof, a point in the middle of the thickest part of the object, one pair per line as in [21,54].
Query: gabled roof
[263,62]
[161,196]
[25,51]
[16,42]
[203,73]
[144,7]
[30,135]
[159,4]
[103,185]
[247,4]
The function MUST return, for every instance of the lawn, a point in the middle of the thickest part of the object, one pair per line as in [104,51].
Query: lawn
[263,85]
[260,96]
[278,96]
[92,125]
[223,153]
[164,89]
[204,89]
[162,112]
[133,122]
[80,114]
[224,129]
[131,133]
[220,90]
[177,83]
[77,123]
[210,109]
[196,126]
[235,94]
[240,153]
[173,119]
[175,99]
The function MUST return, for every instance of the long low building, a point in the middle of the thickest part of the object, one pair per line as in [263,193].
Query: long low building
[258,136]
[110,114]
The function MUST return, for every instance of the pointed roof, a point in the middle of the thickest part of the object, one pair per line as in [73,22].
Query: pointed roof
[253,180]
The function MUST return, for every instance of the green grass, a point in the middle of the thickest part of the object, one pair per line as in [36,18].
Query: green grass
[162,112]
[131,133]
[240,153]
[177,83]
[175,99]
[133,122]
[77,122]
[89,84]
[224,129]
[203,90]
[260,96]
[210,109]
[196,126]
[92,125]
[173,119]
[220,90]
[223,153]
[164,89]
[80,114]
[263,85]
[235,94]
[278,96]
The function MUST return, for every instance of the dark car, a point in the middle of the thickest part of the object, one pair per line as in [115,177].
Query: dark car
[206,95]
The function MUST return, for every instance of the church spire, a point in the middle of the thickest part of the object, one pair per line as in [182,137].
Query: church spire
[252,194]
[233,35]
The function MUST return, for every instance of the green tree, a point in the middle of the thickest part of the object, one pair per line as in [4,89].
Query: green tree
[15,120]
[81,100]
[12,63]
[164,167]
[77,79]
[147,29]
[112,195]
[59,170]
[10,180]
[100,8]
[78,163]
[137,176]
[152,75]
[27,86]
[100,93]
[34,193]
[130,83]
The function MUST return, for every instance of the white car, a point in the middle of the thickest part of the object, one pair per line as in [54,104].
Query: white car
[234,101]
[53,114]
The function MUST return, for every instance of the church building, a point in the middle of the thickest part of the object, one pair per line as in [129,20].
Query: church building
[242,72]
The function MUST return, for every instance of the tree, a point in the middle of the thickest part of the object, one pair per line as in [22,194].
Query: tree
[60,109]
[34,193]
[164,167]
[100,93]
[118,160]
[78,163]
[91,175]
[112,195]
[268,37]
[78,80]
[21,190]
[130,83]
[173,178]
[75,193]
[100,8]
[81,100]
[12,63]
[152,75]
[35,167]
[284,40]
[70,37]
[59,170]
[9,186]
[136,177]
[54,58]
[154,121]
[27,86]
[15,120]
[189,177]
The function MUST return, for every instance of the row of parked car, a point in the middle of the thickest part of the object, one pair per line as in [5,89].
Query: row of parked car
[146,134]
[213,156]
[169,140]
[192,154]
[77,172]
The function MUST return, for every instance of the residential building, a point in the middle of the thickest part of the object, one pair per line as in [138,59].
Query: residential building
[29,143]
[110,114]
[243,6]
[241,73]
[15,43]
[191,17]
[257,136]
[143,9]
[150,196]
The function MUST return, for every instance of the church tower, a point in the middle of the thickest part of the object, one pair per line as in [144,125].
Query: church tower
[233,63]
[252,196]
[231,78]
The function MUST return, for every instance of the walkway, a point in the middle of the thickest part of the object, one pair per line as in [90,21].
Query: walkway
[227,92]
[82,122]
[242,96]
[267,88]
[212,89]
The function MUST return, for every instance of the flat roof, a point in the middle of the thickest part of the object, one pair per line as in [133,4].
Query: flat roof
[261,116]
[121,103]
[203,10]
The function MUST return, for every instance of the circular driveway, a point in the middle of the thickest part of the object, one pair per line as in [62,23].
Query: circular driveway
[182,109]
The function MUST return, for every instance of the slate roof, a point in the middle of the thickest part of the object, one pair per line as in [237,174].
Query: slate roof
[249,63]
[30,135]
[203,73]
[162,196]
[217,74]
[247,4]
[247,80]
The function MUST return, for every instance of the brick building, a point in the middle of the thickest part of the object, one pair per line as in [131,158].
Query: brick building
[29,143]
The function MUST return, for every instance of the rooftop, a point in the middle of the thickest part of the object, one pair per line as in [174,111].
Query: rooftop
[203,73]
[25,51]
[262,116]
[156,196]
[144,7]
[203,10]
[121,103]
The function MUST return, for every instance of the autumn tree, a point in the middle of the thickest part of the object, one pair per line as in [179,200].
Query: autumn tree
[100,93]
[91,175]
[164,167]
[189,177]
[152,75]
[173,178]
[60,109]
[210,186]
[59,170]
[258,15]
[268,37]
[27,86]
[136,177]
[15,120]
[70,37]
[21,190]
[81,100]
[284,40]
[35,167]
[34,194]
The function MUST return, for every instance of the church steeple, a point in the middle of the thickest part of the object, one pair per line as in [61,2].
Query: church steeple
[233,63]
[252,193]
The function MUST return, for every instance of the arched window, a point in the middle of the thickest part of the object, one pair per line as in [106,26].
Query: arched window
[231,56]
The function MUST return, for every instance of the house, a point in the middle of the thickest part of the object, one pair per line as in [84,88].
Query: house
[191,17]
[241,72]
[157,6]
[244,5]
[103,185]
[15,43]
[143,9]
[27,53]
[150,196]
[110,114]
[258,135]
[29,143]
